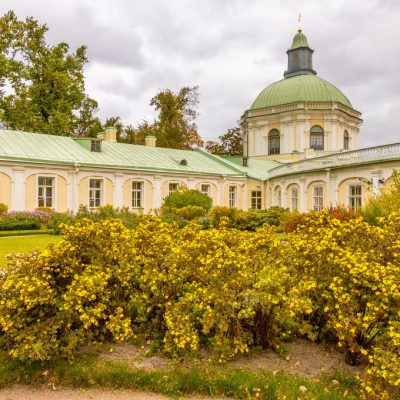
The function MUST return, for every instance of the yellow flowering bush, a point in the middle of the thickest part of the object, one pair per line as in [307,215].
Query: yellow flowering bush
[70,294]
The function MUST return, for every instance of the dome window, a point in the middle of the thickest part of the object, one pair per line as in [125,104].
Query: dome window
[184,162]
[346,140]
[317,138]
[274,142]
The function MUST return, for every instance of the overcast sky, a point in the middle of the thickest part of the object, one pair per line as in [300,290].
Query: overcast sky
[231,49]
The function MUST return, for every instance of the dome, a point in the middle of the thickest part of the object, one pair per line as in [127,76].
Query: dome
[299,40]
[300,88]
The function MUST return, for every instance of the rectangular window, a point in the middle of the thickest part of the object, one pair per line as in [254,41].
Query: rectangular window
[295,199]
[279,198]
[355,196]
[45,192]
[95,192]
[137,194]
[206,189]
[256,199]
[95,145]
[173,187]
[318,198]
[232,196]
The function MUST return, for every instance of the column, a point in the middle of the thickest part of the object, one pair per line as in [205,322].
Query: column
[157,195]
[118,188]
[18,190]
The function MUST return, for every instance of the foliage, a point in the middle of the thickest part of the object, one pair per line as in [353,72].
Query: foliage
[42,86]
[19,225]
[184,197]
[3,208]
[386,203]
[335,278]
[220,213]
[229,144]
[175,125]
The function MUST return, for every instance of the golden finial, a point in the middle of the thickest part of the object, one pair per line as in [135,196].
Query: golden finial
[299,19]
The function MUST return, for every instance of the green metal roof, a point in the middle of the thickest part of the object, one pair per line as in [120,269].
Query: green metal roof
[309,88]
[299,40]
[257,169]
[51,149]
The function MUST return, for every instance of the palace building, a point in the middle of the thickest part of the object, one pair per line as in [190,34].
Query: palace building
[300,152]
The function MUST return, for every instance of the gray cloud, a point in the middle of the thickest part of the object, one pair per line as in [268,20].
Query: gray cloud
[231,49]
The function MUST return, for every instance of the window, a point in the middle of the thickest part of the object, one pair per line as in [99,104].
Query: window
[206,189]
[95,145]
[274,142]
[318,198]
[45,191]
[346,140]
[317,138]
[295,199]
[256,199]
[173,187]
[137,194]
[95,192]
[355,196]
[232,196]
[279,197]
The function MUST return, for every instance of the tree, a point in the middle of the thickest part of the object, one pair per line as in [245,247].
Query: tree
[41,86]
[230,144]
[174,126]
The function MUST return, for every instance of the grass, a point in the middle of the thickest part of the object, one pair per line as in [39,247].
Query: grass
[25,233]
[24,244]
[176,381]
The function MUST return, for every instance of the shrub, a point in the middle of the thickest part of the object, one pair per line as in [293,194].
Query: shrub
[19,225]
[218,213]
[183,198]
[3,208]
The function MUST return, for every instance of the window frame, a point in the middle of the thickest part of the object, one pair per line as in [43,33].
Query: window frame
[53,194]
[355,196]
[346,140]
[294,198]
[318,199]
[232,196]
[274,142]
[257,200]
[278,196]
[173,190]
[317,135]
[141,196]
[206,192]
[102,194]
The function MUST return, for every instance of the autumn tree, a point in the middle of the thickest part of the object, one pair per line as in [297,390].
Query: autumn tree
[175,126]
[229,144]
[42,87]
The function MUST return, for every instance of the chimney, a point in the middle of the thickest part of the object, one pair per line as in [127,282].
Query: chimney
[110,134]
[150,141]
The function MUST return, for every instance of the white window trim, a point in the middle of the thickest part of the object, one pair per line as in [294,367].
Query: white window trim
[251,199]
[209,187]
[297,198]
[55,177]
[348,192]
[102,193]
[315,197]
[235,197]
[174,182]
[143,182]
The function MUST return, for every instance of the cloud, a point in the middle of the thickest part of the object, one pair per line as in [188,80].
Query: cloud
[231,49]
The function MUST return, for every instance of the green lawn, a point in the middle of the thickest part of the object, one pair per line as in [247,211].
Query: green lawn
[24,244]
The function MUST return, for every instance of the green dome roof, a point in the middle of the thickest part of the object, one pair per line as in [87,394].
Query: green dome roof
[299,40]
[297,89]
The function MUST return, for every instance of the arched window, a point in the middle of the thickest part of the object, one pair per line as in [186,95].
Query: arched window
[317,138]
[274,142]
[346,140]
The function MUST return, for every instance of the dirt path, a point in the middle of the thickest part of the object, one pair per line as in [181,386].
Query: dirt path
[27,393]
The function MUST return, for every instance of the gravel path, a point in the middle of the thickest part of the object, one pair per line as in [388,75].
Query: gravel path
[27,393]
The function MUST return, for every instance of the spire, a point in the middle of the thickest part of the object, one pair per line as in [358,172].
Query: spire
[299,55]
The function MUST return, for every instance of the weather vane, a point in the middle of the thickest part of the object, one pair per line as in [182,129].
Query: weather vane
[299,19]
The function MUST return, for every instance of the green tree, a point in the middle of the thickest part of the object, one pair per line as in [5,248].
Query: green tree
[42,87]
[175,125]
[229,144]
